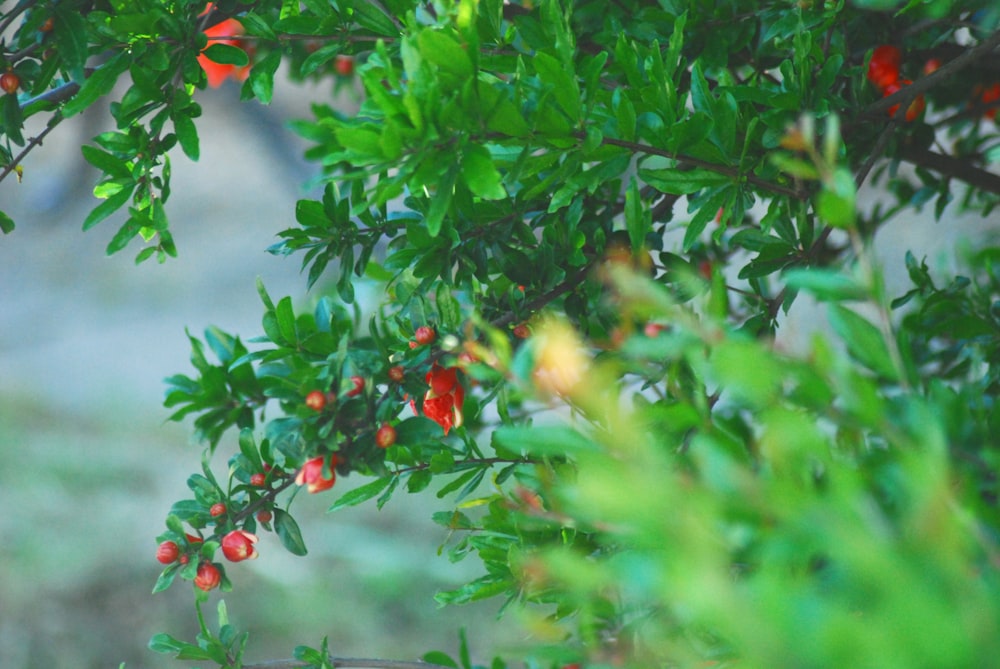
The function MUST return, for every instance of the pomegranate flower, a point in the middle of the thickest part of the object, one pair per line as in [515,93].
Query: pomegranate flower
[238,546]
[311,475]
[217,73]
[208,576]
[443,401]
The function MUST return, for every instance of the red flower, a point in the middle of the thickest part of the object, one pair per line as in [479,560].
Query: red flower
[311,475]
[217,73]
[443,402]
[883,68]
[208,576]
[238,546]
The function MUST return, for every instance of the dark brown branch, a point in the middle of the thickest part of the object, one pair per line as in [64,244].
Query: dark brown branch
[951,167]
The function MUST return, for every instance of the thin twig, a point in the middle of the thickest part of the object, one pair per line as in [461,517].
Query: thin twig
[356,662]
[32,143]
[704,164]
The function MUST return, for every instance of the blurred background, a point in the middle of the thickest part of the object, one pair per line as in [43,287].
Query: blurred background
[88,465]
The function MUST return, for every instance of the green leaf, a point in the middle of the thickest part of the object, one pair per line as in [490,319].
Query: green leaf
[864,341]
[187,135]
[286,320]
[441,202]
[248,448]
[480,174]
[544,440]
[107,163]
[444,51]
[361,494]
[98,84]
[835,203]
[226,54]
[261,80]
[565,88]
[289,533]
[682,182]
[826,284]
[6,223]
[636,220]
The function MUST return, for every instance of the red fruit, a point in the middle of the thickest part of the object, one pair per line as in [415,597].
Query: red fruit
[47,26]
[167,552]
[258,480]
[357,385]
[184,559]
[386,436]
[397,373]
[521,331]
[264,516]
[238,546]
[705,270]
[424,335]
[883,68]
[932,65]
[311,475]
[991,94]
[10,82]
[916,107]
[344,65]
[316,400]
[217,509]
[208,576]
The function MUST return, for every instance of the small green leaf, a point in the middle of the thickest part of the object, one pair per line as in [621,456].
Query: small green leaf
[226,54]
[187,135]
[835,203]
[864,341]
[362,494]
[6,223]
[261,80]
[682,182]
[289,533]
[480,174]
[826,284]
[98,84]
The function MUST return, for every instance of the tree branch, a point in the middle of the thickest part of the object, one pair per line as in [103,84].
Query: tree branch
[704,164]
[354,662]
[951,167]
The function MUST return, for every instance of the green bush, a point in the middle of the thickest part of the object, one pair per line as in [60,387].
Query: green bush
[588,219]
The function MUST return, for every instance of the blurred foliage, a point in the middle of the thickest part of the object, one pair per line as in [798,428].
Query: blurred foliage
[588,218]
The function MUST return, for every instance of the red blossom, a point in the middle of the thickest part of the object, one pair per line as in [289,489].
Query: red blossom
[217,73]
[311,475]
[443,402]
[238,545]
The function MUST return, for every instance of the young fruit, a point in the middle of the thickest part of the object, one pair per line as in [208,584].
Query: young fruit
[397,373]
[208,576]
[167,552]
[424,335]
[916,107]
[344,65]
[883,68]
[521,331]
[10,82]
[357,386]
[47,26]
[258,480]
[264,516]
[238,545]
[316,400]
[217,509]
[386,436]
[932,65]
